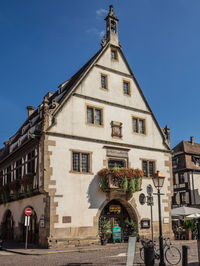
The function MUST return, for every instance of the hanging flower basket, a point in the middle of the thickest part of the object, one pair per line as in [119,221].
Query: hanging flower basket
[125,179]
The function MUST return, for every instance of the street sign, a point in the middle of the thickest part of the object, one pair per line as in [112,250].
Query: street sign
[149,189]
[149,201]
[28,211]
[27,220]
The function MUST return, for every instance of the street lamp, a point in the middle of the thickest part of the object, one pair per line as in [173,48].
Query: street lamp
[158,181]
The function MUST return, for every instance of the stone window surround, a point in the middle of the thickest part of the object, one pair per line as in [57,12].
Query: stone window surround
[90,162]
[129,87]
[116,54]
[148,160]
[138,127]
[94,107]
[106,80]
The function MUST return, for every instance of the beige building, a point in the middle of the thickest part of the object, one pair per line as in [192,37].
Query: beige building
[99,118]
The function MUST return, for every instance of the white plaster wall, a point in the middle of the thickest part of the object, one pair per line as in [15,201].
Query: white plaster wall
[72,120]
[17,208]
[91,86]
[81,193]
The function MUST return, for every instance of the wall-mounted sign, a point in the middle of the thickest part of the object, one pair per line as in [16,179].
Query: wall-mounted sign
[42,222]
[149,189]
[142,199]
[115,208]
[145,223]
[165,220]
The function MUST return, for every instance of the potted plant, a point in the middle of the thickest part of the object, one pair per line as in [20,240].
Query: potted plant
[104,226]
[14,186]
[189,227]
[130,229]
[4,192]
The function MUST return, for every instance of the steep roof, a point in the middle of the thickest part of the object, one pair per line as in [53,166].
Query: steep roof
[187,147]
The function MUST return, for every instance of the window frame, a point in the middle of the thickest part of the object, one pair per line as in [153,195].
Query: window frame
[116,58]
[80,152]
[148,161]
[106,81]
[94,107]
[138,125]
[129,87]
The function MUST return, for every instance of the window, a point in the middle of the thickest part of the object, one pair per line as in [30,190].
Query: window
[148,168]
[31,162]
[94,116]
[1,178]
[183,197]
[116,163]
[114,54]
[104,84]
[8,174]
[113,26]
[126,88]
[139,125]
[19,169]
[81,162]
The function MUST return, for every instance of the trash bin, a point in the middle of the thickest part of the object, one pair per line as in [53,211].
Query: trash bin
[149,254]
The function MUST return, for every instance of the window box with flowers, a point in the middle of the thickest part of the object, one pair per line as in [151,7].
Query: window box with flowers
[27,183]
[15,187]
[124,179]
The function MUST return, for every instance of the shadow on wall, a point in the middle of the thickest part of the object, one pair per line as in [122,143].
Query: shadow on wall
[95,195]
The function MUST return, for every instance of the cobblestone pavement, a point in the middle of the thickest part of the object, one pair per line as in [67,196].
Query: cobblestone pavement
[77,256]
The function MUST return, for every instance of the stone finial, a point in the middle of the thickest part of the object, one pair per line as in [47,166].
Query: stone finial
[30,109]
[167,133]
[45,114]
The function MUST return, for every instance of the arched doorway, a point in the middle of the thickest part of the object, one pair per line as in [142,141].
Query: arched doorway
[118,215]
[8,226]
[33,229]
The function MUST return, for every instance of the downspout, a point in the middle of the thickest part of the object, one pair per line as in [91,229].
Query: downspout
[193,187]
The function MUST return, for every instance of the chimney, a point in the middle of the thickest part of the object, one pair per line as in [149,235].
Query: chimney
[192,140]
[30,109]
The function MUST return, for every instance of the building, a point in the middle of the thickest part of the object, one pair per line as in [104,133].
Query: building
[186,174]
[99,118]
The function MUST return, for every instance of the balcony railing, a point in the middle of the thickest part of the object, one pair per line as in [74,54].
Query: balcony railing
[20,188]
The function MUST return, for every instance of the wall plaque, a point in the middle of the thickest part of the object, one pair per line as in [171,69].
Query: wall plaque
[142,199]
[67,219]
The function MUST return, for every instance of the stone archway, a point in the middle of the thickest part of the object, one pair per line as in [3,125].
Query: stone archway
[8,226]
[119,212]
[33,231]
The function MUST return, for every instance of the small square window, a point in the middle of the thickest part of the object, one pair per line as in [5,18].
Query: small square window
[148,168]
[94,116]
[103,81]
[81,162]
[139,125]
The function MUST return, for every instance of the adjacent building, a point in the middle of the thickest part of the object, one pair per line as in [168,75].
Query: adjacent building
[186,174]
[99,118]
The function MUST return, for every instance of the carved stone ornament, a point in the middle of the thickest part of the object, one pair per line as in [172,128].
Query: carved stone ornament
[116,129]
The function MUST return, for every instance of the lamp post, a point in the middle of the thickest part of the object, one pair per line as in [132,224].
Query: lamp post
[158,181]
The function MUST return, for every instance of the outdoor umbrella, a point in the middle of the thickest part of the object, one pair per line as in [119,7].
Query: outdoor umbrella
[184,211]
[193,216]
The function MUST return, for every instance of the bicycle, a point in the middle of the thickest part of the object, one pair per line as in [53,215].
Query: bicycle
[172,254]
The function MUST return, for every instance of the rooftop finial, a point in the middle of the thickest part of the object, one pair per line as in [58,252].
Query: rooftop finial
[111,28]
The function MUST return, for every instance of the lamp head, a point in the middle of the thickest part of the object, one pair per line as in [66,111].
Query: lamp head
[158,180]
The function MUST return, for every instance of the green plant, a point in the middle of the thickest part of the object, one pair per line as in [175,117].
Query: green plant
[131,186]
[4,192]
[104,226]
[189,224]
[124,184]
[27,182]
[130,228]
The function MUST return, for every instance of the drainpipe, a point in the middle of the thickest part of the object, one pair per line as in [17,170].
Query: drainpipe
[193,187]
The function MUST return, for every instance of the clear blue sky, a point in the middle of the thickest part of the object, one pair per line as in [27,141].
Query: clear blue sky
[43,43]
